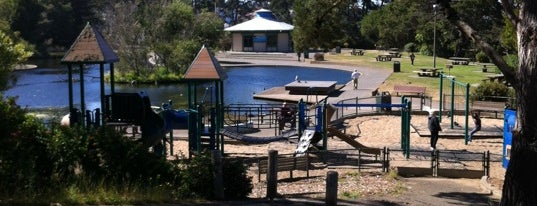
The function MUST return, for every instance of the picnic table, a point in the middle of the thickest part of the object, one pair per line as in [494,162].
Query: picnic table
[384,57]
[428,72]
[495,77]
[459,60]
[395,54]
[357,52]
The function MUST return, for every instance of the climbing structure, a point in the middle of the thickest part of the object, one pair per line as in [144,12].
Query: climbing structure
[205,76]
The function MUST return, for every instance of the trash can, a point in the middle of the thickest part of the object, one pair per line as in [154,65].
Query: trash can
[338,50]
[396,66]
[306,54]
[384,98]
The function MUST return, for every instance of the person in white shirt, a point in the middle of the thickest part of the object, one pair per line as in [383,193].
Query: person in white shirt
[355,75]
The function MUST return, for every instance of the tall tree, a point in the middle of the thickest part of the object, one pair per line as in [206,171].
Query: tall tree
[317,23]
[11,53]
[520,185]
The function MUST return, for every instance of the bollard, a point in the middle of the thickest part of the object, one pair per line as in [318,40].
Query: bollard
[272,174]
[331,188]
[218,175]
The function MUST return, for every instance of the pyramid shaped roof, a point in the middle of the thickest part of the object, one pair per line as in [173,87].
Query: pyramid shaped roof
[264,21]
[205,67]
[90,47]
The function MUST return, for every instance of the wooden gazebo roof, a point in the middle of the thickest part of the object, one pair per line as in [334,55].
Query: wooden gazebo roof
[205,67]
[90,47]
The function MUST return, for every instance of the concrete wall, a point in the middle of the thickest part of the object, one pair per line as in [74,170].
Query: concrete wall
[237,42]
[283,42]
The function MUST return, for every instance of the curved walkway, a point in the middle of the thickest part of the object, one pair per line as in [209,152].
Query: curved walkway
[370,80]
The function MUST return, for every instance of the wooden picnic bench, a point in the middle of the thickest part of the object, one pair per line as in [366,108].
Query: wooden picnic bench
[488,106]
[395,54]
[384,57]
[412,90]
[285,164]
[459,60]
[359,52]
[428,72]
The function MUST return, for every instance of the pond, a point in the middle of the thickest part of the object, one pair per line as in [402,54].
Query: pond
[48,88]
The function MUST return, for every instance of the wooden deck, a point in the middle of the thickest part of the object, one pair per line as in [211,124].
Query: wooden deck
[311,87]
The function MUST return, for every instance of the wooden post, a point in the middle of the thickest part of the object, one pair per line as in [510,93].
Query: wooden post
[272,174]
[331,188]
[218,175]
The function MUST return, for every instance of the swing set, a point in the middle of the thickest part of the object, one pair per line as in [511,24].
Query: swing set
[454,96]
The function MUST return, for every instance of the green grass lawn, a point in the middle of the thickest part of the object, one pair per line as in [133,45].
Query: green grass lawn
[471,73]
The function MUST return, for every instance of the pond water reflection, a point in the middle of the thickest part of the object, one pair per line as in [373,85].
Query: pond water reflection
[48,88]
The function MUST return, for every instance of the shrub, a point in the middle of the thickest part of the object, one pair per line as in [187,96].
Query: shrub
[237,183]
[318,57]
[511,60]
[198,179]
[411,47]
[482,57]
[490,91]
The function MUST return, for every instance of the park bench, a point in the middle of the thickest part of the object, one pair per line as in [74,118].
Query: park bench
[395,54]
[459,60]
[488,106]
[383,57]
[412,90]
[429,72]
[285,164]
[357,52]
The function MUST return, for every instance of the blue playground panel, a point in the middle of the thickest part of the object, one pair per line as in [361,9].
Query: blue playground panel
[508,125]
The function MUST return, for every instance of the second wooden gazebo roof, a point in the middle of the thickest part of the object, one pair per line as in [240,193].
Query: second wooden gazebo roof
[205,67]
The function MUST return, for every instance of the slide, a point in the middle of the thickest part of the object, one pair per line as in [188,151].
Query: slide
[349,140]
[175,119]
[304,142]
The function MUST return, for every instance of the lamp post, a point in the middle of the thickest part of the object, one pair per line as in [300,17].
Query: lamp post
[435,7]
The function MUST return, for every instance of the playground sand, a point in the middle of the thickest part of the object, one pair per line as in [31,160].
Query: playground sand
[373,131]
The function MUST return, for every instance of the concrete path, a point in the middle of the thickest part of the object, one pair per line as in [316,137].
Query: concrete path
[370,80]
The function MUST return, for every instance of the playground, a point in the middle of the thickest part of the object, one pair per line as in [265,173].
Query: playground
[376,131]
[351,132]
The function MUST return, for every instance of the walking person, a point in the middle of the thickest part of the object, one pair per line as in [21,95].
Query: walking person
[354,76]
[434,128]
[412,56]
[477,123]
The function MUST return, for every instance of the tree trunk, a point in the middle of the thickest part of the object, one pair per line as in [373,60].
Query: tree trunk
[520,185]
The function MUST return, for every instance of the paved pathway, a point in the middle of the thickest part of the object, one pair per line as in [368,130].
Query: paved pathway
[370,80]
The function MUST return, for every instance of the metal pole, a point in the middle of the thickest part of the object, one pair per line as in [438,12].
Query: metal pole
[435,6]
[452,101]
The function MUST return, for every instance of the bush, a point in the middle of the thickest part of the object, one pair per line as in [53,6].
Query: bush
[237,183]
[75,165]
[491,91]
[318,57]
[511,60]
[411,47]
[198,179]
[482,57]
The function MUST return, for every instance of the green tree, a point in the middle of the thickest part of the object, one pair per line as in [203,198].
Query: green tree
[11,54]
[8,10]
[316,23]
[520,185]
[281,9]
[52,25]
